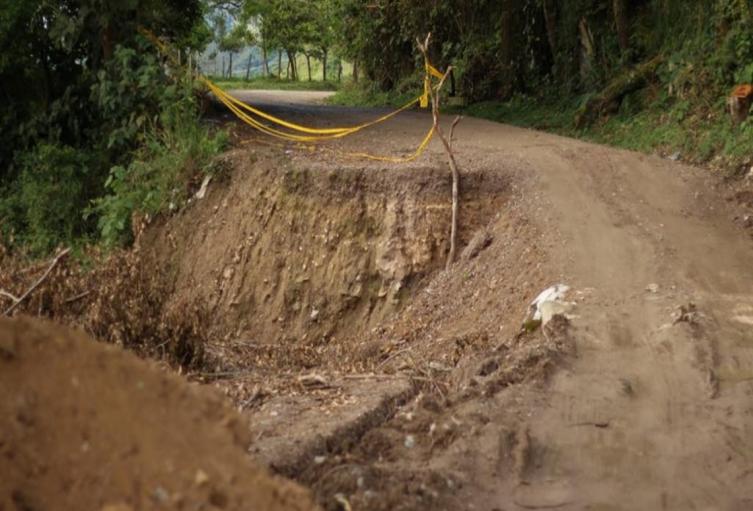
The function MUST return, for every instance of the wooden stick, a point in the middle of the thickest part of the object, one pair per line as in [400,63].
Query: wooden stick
[6,294]
[434,96]
[392,357]
[452,129]
[77,297]
[41,279]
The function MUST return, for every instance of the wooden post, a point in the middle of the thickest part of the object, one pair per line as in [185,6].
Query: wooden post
[435,100]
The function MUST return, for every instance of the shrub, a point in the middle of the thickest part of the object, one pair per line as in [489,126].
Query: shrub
[160,176]
[45,205]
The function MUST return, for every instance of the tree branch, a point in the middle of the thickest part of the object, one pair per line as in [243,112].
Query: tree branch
[435,100]
[39,281]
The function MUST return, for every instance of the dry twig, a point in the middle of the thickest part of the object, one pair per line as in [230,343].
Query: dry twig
[9,296]
[39,281]
[78,297]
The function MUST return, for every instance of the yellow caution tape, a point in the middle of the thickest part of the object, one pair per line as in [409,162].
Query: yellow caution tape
[430,71]
[246,113]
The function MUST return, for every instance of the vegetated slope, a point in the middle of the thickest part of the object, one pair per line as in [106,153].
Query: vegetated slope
[88,426]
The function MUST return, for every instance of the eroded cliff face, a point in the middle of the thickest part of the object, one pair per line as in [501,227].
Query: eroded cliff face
[284,251]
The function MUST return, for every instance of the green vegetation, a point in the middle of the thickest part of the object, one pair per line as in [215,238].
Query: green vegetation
[368,94]
[699,135]
[95,127]
[273,83]
[651,75]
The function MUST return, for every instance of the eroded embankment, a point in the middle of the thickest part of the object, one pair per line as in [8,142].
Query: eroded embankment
[301,255]
[363,369]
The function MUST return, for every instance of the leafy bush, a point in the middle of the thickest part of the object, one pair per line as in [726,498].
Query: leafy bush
[149,146]
[160,175]
[44,207]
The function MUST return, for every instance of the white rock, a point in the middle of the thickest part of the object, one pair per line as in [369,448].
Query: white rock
[553,294]
[203,190]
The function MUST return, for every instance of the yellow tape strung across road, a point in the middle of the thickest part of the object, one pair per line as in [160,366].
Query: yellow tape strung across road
[246,113]
[226,98]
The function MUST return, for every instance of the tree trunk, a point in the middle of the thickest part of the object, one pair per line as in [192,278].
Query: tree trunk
[355,71]
[506,50]
[622,21]
[631,80]
[587,50]
[308,64]
[248,66]
[550,18]
[279,64]
[108,43]
[230,66]
[339,70]
[293,67]
[266,63]
[324,65]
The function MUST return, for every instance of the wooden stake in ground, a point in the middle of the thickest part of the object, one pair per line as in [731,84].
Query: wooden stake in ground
[435,100]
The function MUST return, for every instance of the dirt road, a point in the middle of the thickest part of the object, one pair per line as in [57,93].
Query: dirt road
[656,409]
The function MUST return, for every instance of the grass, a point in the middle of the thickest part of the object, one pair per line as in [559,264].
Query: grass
[354,95]
[700,132]
[273,83]
[363,94]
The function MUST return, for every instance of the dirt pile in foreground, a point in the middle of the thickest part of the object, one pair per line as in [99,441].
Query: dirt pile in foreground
[87,426]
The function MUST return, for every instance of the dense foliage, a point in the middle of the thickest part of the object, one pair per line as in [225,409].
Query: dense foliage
[503,47]
[652,75]
[83,96]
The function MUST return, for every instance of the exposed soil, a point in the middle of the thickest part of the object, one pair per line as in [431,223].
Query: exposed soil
[380,381]
[84,425]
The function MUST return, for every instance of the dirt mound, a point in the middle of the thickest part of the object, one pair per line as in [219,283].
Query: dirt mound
[85,425]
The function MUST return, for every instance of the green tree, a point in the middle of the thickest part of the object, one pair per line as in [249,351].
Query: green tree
[56,130]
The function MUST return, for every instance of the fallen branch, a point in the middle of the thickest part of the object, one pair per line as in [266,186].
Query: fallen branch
[392,357]
[384,376]
[39,281]
[616,90]
[9,296]
[76,298]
